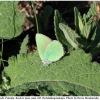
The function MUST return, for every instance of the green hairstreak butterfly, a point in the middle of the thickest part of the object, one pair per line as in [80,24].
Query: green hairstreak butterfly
[49,51]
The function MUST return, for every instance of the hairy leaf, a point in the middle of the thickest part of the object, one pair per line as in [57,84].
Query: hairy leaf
[92,11]
[76,20]
[10,20]
[95,45]
[81,25]
[74,74]
[84,18]
[86,30]
[58,32]
[70,35]
[23,48]
[4,84]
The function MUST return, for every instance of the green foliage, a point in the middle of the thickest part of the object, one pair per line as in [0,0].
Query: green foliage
[75,73]
[86,30]
[84,26]
[4,84]
[47,13]
[10,20]
[95,45]
[59,34]
[23,48]
[85,35]
[76,21]
[70,35]
[92,11]
[43,19]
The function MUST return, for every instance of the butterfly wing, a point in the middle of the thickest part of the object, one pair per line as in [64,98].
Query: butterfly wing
[42,42]
[54,51]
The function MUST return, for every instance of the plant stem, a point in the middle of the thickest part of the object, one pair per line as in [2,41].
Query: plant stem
[4,60]
[2,53]
[34,10]
[2,48]
[3,41]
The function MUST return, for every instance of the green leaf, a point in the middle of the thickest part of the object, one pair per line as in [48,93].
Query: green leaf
[93,30]
[76,20]
[81,25]
[84,18]
[75,73]
[4,84]
[96,42]
[58,32]
[96,50]
[92,11]
[89,16]
[10,20]
[47,13]
[97,37]
[70,35]
[23,48]
[86,30]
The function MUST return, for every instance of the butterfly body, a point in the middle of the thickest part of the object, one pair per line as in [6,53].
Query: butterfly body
[49,51]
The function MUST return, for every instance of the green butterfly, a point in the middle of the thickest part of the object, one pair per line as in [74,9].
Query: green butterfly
[49,51]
